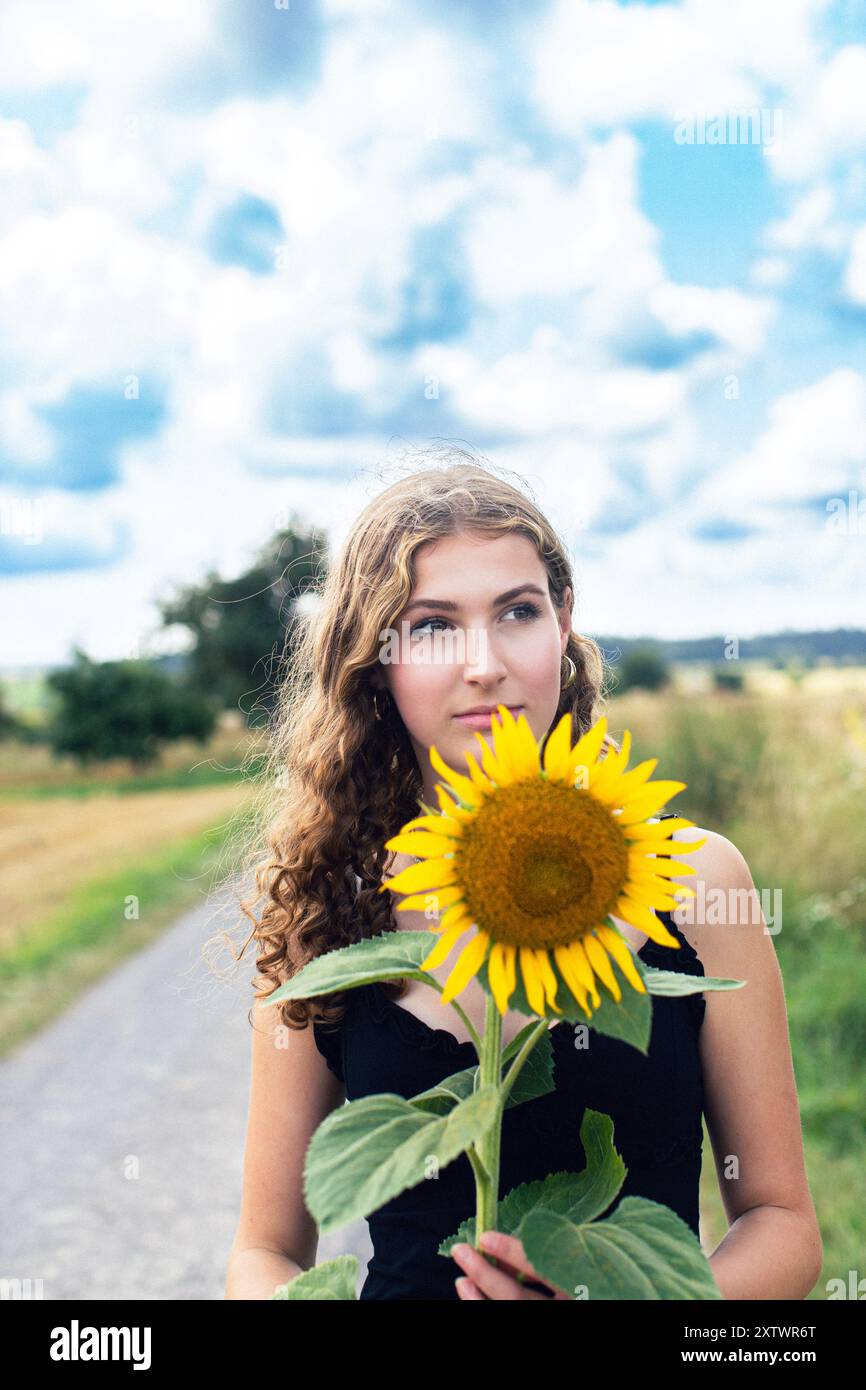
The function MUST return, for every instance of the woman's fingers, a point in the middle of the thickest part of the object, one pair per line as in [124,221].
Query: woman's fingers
[491,1280]
[510,1249]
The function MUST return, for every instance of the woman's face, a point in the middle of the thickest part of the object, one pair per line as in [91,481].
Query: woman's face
[473,647]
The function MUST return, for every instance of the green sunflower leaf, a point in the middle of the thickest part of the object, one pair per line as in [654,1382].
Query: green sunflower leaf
[672,984]
[578,1196]
[370,1150]
[331,1281]
[393,955]
[534,1079]
[642,1251]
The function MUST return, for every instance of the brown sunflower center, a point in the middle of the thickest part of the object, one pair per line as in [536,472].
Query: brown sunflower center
[542,864]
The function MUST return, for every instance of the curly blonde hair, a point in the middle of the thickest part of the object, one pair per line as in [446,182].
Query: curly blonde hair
[346,780]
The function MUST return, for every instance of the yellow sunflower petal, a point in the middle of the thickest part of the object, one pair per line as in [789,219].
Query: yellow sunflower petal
[586,750]
[462,786]
[488,761]
[567,971]
[439,825]
[647,800]
[629,782]
[477,775]
[644,920]
[657,892]
[660,864]
[456,913]
[661,829]
[422,844]
[419,902]
[557,748]
[547,975]
[583,971]
[597,956]
[430,873]
[531,983]
[524,748]
[504,751]
[468,964]
[614,944]
[444,946]
[605,775]
[686,846]
[500,978]
[656,844]
[449,806]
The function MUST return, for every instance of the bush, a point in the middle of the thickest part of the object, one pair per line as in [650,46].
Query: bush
[123,709]
[725,678]
[642,667]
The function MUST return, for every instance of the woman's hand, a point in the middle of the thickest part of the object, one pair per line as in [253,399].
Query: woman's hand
[503,1279]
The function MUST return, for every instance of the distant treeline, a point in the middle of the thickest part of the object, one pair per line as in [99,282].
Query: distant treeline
[843,646]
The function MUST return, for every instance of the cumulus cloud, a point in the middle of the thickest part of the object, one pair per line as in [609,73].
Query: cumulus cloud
[446,244]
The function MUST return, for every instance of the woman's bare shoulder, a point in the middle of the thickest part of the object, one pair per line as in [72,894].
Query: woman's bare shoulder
[724,921]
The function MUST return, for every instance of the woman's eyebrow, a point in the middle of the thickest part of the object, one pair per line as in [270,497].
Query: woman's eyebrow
[452,607]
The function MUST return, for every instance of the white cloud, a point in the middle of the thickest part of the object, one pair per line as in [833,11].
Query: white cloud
[814,445]
[660,579]
[809,223]
[740,320]
[531,233]
[103,272]
[542,390]
[598,63]
[101,43]
[825,121]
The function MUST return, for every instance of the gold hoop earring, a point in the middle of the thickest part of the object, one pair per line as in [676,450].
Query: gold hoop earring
[377,714]
[572,675]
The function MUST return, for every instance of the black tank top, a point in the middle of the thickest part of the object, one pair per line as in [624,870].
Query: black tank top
[655,1102]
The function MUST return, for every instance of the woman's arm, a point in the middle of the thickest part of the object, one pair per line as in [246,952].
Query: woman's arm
[292,1090]
[254,1273]
[773,1247]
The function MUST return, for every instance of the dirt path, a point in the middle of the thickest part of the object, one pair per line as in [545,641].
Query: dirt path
[123,1126]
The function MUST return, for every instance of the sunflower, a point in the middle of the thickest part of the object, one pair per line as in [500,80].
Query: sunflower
[537,857]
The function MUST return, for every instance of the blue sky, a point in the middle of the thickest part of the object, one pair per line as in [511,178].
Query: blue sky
[255,256]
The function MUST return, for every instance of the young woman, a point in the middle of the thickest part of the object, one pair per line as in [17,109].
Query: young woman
[459,550]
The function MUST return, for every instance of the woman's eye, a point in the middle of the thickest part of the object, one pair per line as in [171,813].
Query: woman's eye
[531,610]
[426,623]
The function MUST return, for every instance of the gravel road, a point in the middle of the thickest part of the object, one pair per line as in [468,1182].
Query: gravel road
[123,1126]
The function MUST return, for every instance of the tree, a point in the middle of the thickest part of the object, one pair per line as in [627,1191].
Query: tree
[644,667]
[123,709]
[240,626]
[10,725]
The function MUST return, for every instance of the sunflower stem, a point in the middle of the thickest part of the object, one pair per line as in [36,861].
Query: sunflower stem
[521,1057]
[470,1026]
[490,1074]
[477,1167]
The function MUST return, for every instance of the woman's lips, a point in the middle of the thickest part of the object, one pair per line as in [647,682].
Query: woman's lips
[483,721]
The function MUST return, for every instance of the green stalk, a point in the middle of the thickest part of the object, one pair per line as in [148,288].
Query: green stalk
[514,1069]
[490,1074]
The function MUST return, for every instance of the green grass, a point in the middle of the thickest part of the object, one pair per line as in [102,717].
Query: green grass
[824,970]
[171,779]
[781,781]
[43,970]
